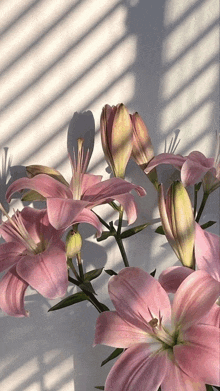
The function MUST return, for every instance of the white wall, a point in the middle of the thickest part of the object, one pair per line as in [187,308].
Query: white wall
[58,57]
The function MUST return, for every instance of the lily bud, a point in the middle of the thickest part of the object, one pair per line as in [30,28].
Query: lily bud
[178,222]
[142,151]
[36,169]
[116,136]
[73,243]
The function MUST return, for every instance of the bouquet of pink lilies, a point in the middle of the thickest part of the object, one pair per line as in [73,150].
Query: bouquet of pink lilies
[160,343]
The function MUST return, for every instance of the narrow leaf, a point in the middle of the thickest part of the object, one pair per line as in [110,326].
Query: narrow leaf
[87,286]
[160,230]
[105,235]
[134,230]
[89,276]
[113,355]
[99,387]
[208,387]
[208,224]
[110,272]
[73,299]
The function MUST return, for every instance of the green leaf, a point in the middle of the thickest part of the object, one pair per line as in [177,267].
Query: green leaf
[113,355]
[87,286]
[105,235]
[208,387]
[73,299]
[89,276]
[153,273]
[99,387]
[197,186]
[160,230]
[134,230]
[208,224]
[110,272]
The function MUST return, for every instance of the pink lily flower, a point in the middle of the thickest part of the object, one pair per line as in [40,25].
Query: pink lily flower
[207,257]
[71,204]
[35,255]
[165,346]
[192,167]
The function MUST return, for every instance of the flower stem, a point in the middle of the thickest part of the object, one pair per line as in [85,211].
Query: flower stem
[122,250]
[99,306]
[204,199]
[79,262]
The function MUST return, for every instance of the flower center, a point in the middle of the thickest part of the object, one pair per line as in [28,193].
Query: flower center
[15,227]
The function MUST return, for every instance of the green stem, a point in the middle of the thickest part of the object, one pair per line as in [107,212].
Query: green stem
[122,250]
[102,221]
[195,199]
[204,199]
[120,221]
[99,306]
[79,262]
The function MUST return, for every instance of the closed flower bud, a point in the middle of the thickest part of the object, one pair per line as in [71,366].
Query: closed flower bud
[73,243]
[116,135]
[178,222]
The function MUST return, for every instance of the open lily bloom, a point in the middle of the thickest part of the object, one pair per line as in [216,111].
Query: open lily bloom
[169,347]
[193,167]
[70,204]
[207,256]
[35,256]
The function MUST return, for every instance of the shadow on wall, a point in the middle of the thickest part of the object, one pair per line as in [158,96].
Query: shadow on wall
[33,346]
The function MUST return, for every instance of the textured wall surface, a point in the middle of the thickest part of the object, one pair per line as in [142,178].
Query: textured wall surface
[160,58]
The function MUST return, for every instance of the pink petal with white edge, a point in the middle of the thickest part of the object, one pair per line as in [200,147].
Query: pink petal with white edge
[177,380]
[108,189]
[137,369]
[62,212]
[129,205]
[165,158]
[43,184]
[192,172]
[136,295]
[89,180]
[46,272]
[199,357]
[10,253]
[112,330]
[194,298]
[12,291]
[171,278]
[207,252]
[87,216]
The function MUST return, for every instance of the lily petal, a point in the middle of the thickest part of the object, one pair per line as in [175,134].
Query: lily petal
[112,330]
[171,278]
[88,181]
[178,380]
[12,291]
[137,296]
[10,253]
[43,184]
[207,252]
[87,216]
[62,211]
[199,358]
[46,272]
[192,172]
[194,298]
[144,371]
[107,190]
[165,158]
[129,205]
